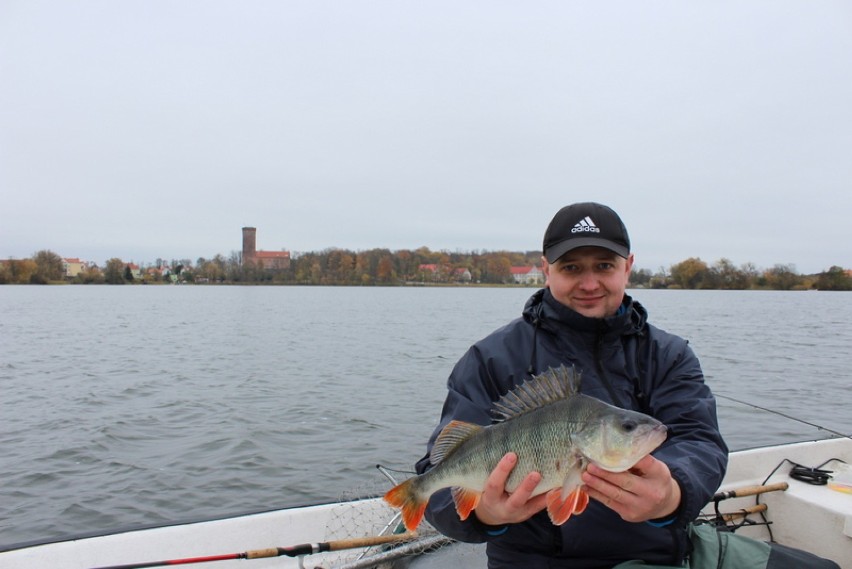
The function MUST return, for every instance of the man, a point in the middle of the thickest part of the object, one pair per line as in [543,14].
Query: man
[584,318]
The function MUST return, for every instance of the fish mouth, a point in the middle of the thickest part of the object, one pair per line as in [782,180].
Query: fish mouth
[658,435]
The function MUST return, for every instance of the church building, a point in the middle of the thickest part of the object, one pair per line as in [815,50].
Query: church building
[270,260]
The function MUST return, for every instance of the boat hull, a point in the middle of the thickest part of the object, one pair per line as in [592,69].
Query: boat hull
[814,518]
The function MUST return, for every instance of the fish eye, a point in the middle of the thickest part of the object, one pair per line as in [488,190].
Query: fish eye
[629,426]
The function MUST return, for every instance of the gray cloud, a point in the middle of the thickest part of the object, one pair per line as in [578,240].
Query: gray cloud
[158,129]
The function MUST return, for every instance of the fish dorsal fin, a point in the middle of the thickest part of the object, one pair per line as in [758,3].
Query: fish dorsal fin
[450,437]
[543,389]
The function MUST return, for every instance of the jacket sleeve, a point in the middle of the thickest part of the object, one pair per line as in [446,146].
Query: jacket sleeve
[471,391]
[695,452]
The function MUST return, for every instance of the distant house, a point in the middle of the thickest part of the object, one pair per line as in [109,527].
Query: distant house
[428,270]
[135,270]
[73,267]
[269,260]
[527,275]
[444,273]
[462,275]
[272,260]
[154,273]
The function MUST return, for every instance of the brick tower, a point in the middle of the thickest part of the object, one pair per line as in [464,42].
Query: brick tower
[249,243]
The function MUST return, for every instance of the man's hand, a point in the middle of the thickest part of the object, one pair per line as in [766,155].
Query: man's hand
[645,492]
[497,507]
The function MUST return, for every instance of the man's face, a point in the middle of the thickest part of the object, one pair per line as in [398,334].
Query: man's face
[589,280]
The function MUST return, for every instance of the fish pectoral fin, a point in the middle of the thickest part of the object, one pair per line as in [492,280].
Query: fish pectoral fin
[560,510]
[466,501]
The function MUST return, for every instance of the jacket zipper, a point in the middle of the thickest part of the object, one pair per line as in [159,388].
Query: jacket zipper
[602,374]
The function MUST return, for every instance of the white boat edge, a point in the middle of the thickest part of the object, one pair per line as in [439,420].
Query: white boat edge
[814,518]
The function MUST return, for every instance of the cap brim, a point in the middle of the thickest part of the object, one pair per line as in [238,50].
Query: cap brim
[556,251]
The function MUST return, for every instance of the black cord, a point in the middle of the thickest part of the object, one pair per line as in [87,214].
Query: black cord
[811,475]
[815,476]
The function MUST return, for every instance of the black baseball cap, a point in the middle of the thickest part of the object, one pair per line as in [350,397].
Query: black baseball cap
[586,224]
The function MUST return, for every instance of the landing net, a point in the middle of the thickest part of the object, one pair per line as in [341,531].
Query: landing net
[361,512]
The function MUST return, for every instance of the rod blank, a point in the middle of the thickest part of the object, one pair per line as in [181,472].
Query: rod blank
[291,551]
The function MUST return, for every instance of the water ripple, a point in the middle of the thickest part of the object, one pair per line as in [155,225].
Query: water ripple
[138,405]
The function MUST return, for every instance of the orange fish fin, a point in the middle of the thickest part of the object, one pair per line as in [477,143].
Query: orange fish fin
[466,501]
[582,501]
[560,510]
[404,497]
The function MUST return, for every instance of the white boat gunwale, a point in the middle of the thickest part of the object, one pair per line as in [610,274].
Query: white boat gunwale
[815,518]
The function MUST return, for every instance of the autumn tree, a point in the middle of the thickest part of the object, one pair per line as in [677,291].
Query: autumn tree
[750,272]
[724,275]
[16,271]
[91,275]
[114,271]
[497,269]
[834,278]
[23,271]
[212,269]
[49,267]
[404,263]
[689,273]
[782,277]
[233,266]
[385,272]
[640,277]
[340,267]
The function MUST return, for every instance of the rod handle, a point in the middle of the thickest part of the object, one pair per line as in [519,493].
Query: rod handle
[744,512]
[357,542]
[750,491]
[261,553]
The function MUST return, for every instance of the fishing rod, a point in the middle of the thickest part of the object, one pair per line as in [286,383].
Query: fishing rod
[750,491]
[412,537]
[723,519]
[745,512]
[779,413]
[291,551]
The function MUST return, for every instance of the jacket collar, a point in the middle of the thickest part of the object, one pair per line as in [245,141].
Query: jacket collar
[543,310]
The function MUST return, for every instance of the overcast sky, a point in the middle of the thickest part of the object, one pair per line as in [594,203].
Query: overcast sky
[145,129]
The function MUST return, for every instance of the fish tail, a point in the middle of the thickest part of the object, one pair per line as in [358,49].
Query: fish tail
[404,496]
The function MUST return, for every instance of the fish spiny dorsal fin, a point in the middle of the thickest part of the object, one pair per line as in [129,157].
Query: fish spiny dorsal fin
[543,389]
[450,437]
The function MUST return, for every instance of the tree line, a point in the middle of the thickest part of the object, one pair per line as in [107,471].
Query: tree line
[422,266]
[693,273]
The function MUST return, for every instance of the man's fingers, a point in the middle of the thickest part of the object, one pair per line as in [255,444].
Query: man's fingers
[538,503]
[527,486]
[645,464]
[520,500]
[496,482]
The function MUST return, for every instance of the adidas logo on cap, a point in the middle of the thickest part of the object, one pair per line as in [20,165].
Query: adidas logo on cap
[585,225]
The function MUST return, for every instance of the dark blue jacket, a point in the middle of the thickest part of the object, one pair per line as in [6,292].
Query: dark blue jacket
[624,361]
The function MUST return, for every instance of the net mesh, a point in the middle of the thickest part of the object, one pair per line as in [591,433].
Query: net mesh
[360,512]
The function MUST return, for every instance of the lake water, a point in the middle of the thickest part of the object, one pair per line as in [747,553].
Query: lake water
[136,405]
